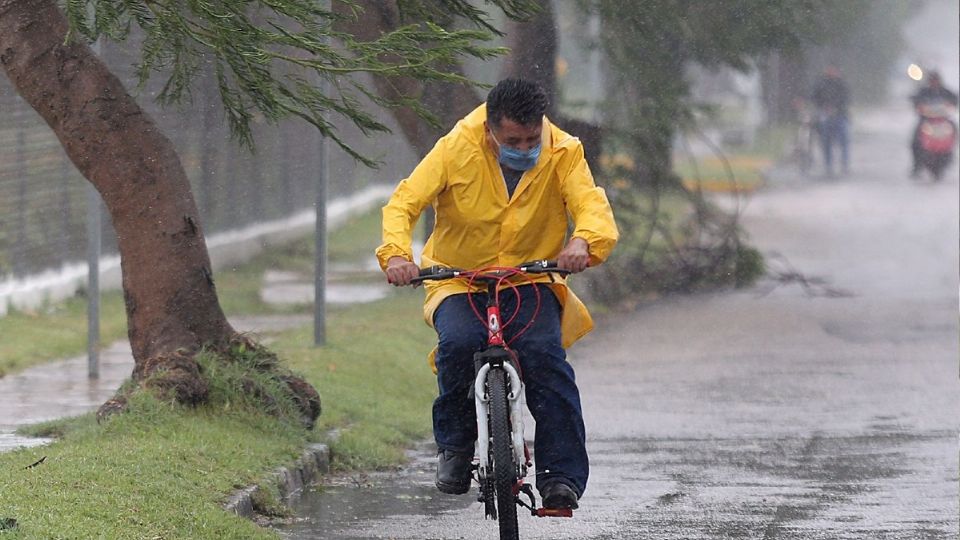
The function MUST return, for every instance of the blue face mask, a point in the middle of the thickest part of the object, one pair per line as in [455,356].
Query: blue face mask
[518,160]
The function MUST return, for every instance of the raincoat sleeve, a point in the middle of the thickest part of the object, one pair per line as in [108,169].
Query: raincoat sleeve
[588,206]
[403,209]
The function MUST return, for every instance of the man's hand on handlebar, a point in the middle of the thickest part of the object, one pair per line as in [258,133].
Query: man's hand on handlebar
[400,271]
[575,257]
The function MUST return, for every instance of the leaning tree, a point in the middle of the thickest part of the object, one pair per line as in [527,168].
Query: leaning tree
[268,57]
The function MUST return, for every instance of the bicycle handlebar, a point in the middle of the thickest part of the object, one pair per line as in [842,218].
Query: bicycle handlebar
[436,273]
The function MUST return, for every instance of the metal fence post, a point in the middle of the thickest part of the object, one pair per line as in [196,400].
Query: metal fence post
[20,251]
[94,241]
[320,273]
[93,282]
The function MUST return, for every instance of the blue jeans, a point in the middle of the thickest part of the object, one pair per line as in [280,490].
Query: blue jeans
[551,389]
[834,130]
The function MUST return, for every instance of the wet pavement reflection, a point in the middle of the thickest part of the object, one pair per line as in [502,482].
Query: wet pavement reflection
[66,391]
[62,389]
[339,507]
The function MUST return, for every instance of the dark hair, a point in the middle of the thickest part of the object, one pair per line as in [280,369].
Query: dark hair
[519,100]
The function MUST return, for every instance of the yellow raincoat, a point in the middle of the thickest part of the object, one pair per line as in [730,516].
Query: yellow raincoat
[477,225]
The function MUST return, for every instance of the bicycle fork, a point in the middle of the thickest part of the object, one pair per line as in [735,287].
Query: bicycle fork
[482,400]
[501,360]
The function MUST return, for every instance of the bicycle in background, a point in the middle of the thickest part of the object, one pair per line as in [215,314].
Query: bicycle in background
[804,137]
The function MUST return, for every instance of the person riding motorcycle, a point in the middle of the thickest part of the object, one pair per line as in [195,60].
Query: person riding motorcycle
[931,94]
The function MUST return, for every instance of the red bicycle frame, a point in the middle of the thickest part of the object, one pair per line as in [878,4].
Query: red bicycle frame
[494,330]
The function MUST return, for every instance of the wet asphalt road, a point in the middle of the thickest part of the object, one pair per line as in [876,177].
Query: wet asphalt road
[780,412]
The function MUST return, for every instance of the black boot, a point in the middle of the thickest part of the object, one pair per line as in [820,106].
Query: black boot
[558,495]
[453,472]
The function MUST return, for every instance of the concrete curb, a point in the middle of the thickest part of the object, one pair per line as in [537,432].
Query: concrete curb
[290,481]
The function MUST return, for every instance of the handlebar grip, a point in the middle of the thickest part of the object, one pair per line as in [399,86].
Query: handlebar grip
[435,272]
[542,266]
[430,270]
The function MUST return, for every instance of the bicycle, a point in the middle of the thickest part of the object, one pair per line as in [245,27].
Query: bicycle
[502,457]
[804,139]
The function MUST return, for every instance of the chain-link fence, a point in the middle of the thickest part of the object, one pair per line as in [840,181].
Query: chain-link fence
[42,195]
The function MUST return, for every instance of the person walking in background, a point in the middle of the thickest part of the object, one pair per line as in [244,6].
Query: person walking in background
[832,99]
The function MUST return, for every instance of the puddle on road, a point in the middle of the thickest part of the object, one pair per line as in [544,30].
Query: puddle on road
[345,505]
[405,505]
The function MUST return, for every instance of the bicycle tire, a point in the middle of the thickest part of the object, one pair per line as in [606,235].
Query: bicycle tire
[489,497]
[504,465]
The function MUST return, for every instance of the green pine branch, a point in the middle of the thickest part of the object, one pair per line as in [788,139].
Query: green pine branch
[269,56]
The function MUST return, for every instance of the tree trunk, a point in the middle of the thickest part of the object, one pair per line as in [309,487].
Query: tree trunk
[450,102]
[533,52]
[783,78]
[533,56]
[171,303]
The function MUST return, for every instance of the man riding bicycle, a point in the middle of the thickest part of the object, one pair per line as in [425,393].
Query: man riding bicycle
[503,183]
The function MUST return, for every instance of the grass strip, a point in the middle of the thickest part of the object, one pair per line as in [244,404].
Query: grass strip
[746,173]
[372,376]
[59,330]
[56,331]
[157,472]
[163,471]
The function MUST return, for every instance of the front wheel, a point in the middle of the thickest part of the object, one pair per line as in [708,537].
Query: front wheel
[504,465]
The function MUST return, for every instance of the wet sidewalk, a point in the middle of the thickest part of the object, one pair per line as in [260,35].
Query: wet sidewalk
[62,388]
[56,390]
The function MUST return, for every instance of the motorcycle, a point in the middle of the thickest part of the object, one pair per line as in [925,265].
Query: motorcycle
[937,137]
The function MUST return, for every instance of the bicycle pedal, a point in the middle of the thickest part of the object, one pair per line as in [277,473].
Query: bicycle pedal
[555,512]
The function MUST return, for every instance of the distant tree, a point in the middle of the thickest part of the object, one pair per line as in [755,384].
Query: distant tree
[533,51]
[533,46]
[648,46]
[446,101]
[267,58]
